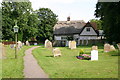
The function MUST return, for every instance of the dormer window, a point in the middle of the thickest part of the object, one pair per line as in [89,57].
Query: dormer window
[88,29]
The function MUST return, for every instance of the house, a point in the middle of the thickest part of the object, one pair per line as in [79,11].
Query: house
[75,30]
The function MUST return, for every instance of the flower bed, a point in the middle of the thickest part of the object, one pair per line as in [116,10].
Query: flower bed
[84,57]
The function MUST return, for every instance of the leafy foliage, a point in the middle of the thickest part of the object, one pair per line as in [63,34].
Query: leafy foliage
[31,23]
[47,20]
[99,23]
[12,11]
[109,14]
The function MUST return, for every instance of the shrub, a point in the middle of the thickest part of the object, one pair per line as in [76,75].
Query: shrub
[81,52]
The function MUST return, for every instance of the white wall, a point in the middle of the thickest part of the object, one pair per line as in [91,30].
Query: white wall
[92,31]
[76,36]
[57,37]
[87,37]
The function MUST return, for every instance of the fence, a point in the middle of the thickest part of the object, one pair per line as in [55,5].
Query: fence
[8,42]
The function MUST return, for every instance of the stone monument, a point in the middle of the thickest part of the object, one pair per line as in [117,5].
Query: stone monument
[94,55]
[48,44]
[56,52]
[72,44]
[106,47]
[94,47]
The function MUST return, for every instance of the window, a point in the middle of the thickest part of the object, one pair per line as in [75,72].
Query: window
[63,38]
[88,29]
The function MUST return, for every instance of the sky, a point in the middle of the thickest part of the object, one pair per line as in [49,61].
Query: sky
[76,9]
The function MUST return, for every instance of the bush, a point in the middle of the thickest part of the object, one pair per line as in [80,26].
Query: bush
[81,52]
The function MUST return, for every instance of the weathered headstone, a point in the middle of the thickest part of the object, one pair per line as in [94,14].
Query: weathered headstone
[48,44]
[27,43]
[107,47]
[112,48]
[118,45]
[94,47]
[69,44]
[94,55]
[3,55]
[72,44]
[56,52]
[19,44]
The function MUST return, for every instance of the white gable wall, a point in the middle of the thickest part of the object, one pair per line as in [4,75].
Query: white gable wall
[92,31]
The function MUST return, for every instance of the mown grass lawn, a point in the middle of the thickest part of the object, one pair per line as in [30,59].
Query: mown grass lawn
[11,67]
[68,66]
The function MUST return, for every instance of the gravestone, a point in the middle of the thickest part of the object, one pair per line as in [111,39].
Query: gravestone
[72,44]
[94,55]
[118,45]
[69,44]
[19,44]
[106,47]
[2,50]
[94,47]
[56,52]
[27,43]
[112,48]
[48,44]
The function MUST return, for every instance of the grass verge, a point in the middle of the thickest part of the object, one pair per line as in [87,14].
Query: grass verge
[11,67]
[68,66]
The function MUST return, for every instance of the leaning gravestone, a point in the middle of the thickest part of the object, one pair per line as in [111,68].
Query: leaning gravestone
[94,55]
[27,43]
[72,44]
[2,50]
[118,45]
[94,47]
[112,48]
[48,44]
[107,47]
[56,52]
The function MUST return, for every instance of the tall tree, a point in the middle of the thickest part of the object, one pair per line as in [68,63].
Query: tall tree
[22,12]
[109,13]
[98,22]
[47,20]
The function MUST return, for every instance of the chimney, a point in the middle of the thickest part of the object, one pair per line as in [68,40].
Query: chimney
[68,18]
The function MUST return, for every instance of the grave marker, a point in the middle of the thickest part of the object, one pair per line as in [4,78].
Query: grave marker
[56,52]
[107,47]
[48,44]
[72,44]
[94,55]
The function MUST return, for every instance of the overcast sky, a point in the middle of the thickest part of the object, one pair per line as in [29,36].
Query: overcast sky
[76,9]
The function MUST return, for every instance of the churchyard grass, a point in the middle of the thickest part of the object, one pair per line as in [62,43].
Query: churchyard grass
[11,67]
[68,66]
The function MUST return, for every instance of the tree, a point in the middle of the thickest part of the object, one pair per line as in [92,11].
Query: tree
[109,13]
[22,12]
[99,23]
[47,20]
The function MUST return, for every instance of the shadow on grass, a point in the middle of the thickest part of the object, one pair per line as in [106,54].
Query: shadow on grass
[49,56]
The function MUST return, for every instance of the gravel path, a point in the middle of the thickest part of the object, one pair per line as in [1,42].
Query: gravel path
[31,67]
